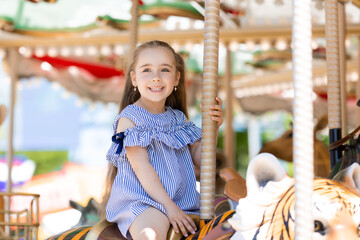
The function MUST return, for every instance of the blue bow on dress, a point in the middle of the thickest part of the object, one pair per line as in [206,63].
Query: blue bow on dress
[118,139]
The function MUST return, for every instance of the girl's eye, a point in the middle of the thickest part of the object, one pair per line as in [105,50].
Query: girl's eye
[165,70]
[146,70]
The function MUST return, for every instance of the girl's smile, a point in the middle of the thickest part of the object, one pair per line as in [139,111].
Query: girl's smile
[156,89]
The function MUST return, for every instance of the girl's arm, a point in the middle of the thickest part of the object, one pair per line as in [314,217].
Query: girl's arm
[216,115]
[139,160]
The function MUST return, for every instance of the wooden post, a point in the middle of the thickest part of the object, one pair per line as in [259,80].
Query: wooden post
[134,26]
[209,93]
[229,138]
[342,56]
[333,76]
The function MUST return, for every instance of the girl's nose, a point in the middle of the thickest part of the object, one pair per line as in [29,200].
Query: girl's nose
[156,76]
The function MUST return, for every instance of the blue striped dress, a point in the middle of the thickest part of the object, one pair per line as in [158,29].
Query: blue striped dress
[166,136]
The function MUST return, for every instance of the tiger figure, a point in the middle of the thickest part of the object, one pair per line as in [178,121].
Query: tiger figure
[267,212]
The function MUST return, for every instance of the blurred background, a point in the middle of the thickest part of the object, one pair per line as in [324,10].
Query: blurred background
[70,60]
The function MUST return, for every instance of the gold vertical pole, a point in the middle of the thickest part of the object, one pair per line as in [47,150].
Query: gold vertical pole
[342,56]
[134,26]
[209,92]
[229,138]
[333,76]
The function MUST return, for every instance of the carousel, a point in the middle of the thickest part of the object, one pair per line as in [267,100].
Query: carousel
[324,203]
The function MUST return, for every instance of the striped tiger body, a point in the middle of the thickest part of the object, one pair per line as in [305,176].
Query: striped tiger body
[268,213]
[204,230]
[78,233]
[81,233]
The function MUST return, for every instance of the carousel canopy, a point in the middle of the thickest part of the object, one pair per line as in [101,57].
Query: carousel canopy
[83,44]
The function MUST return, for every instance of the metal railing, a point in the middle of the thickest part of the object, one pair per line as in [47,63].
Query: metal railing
[19,222]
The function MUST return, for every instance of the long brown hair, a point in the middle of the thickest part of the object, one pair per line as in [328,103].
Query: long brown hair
[176,100]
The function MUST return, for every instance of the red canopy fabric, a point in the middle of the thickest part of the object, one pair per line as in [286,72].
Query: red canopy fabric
[99,71]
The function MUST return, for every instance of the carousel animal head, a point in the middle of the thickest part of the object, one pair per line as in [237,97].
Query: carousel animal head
[89,213]
[267,212]
[282,148]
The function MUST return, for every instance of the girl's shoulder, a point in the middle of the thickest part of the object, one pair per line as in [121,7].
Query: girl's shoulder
[124,123]
[127,118]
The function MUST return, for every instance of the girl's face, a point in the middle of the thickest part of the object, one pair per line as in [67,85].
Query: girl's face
[155,74]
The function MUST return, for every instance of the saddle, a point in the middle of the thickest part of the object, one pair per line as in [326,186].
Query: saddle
[105,230]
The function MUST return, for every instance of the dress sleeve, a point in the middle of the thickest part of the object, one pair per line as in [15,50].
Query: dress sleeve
[175,137]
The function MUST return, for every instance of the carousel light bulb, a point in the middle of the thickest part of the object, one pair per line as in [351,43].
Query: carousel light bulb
[233,46]
[353,76]
[281,44]
[73,70]
[314,44]
[198,24]
[25,52]
[279,2]
[288,65]
[92,51]
[40,52]
[105,50]
[250,45]
[79,102]
[56,86]
[2,53]
[288,93]
[188,46]
[78,51]
[265,45]
[317,81]
[347,42]
[65,94]
[65,51]
[46,66]
[119,50]
[53,51]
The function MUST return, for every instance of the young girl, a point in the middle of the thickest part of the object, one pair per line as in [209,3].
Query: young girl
[154,148]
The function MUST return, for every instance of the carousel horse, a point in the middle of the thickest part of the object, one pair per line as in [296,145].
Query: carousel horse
[89,214]
[267,212]
[282,148]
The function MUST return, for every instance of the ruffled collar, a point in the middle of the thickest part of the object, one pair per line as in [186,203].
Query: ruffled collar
[167,111]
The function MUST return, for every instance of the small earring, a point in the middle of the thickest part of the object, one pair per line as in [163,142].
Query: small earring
[134,89]
[175,88]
